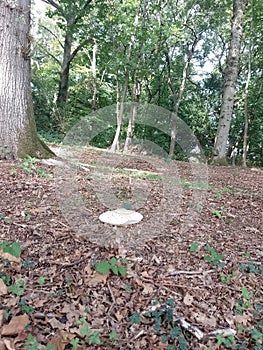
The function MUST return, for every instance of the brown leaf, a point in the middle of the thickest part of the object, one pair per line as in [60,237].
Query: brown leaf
[10,257]
[188,299]
[2,345]
[3,288]
[205,320]
[16,325]
[61,340]
[56,324]
[2,312]
[97,279]
[9,344]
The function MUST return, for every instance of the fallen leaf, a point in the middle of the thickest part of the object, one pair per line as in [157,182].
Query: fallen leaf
[119,316]
[2,312]
[56,324]
[2,345]
[61,340]
[148,289]
[205,320]
[9,344]
[97,279]
[242,319]
[16,325]
[10,257]
[188,299]
[3,288]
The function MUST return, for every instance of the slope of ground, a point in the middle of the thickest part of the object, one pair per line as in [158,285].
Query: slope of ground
[200,278]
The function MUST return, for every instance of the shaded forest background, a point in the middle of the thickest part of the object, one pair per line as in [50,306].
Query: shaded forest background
[172,54]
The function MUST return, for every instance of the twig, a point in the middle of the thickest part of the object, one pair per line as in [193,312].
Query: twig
[182,272]
[112,297]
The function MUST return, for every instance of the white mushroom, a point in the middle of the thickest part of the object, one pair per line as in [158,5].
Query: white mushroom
[121,216]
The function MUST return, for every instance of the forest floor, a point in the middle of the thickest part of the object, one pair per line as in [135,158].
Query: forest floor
[194,287]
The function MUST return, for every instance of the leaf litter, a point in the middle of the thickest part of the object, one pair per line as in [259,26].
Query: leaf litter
[53,297]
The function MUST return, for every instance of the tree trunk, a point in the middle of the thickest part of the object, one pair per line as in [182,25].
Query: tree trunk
[133,114]
[231,73]
[64,77]
[18,135]
[178,100]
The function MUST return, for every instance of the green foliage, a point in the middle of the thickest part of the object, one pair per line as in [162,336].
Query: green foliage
[114,265]
[227,341]
[5,218]
[31,342]
[214,258]
[41,280]
[75,343]
[135,318]
[18,288]
[24,307]
[12,248]
[194,247]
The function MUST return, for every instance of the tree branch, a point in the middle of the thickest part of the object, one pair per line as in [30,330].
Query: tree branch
[53,3]
[50,31]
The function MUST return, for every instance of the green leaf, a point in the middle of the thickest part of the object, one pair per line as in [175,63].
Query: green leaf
[113,335]
[182,343]
[41,280]
[85,329]
[12,248]
[74,342]
[113,261]
[115,270]
[122,270]
[135,318]
[95,338]
[31,342]
[194,246]
[18,288]
[103,267]
[175,332]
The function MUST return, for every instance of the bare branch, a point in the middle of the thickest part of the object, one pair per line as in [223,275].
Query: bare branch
[50,31]
[53,3]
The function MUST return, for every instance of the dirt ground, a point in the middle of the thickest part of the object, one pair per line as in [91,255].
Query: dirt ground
[201,265]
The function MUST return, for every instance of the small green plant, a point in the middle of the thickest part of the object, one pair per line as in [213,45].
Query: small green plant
[25,308]
[86,331]
[217,213]
[114,265]
[75,343]
[18,288]
[113,335]
[41,172]
[164,325]
[41,280]
[31,342]
[227,279]
[194,247]
[245,302]
[4,218]
[227,341]
[28,264]
[12,248]
[214,258]
[28,164]
[250,268]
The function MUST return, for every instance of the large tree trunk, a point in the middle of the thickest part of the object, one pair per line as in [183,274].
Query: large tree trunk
[231,73]
[18,135]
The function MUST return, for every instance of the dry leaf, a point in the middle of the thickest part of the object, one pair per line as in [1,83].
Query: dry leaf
[16,325]
[2,312]
[97,279]
[119,316]
[9,344]
[205,320]
[243,319]
[3,288]
[148,289]
[10,257]
[188,299]
[61,340]
[56,324]
[2,345]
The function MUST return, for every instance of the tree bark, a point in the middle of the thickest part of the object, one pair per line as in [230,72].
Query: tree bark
[177,100]
[231,74]
[18,134]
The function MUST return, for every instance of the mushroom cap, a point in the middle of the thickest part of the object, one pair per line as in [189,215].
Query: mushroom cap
[121,216]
